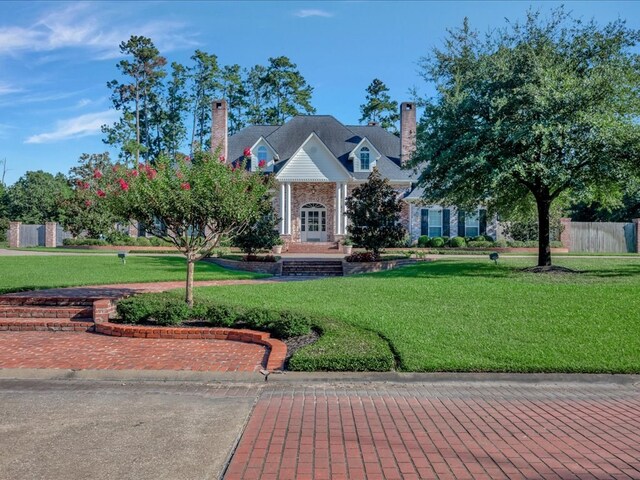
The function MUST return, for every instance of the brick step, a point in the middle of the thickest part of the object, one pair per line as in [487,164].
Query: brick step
[311,268]
[314,263]
[312,274]
[45,301]
[313,247]
[45,325]
[45,311]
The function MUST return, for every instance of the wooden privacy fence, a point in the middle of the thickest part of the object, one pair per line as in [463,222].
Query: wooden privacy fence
[603,237]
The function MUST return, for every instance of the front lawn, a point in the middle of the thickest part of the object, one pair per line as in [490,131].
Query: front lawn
[472,315]
[37,272]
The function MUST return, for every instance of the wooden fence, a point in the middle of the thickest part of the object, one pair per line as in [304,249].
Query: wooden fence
[603,237]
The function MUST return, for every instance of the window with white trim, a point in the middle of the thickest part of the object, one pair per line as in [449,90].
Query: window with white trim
[435,223]
[364,158]
[472,224]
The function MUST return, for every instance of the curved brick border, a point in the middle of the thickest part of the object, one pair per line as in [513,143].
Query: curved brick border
[277,353]
[49,325]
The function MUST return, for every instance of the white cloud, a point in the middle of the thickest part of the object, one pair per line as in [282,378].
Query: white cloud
[5,89]
[313,12]
[81,126]
[80,25]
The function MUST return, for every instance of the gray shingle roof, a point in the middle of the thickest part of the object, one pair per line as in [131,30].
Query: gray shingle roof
[339,138]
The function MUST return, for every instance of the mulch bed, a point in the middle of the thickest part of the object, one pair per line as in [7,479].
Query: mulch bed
[554,269]
[296,343]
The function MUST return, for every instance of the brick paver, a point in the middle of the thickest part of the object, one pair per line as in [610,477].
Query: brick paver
[76,350]
[464,431]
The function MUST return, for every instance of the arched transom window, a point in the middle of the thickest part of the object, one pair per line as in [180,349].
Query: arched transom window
[364,158]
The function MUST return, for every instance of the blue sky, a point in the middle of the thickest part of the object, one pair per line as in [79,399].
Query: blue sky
[56,57]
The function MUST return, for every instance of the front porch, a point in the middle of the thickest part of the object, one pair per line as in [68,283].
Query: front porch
[312,213]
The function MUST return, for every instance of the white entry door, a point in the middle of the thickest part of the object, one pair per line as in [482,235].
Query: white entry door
[313,223]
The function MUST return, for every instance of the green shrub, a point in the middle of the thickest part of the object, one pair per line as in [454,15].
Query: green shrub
[221,315]
[423,241]
[138,309]
[531,244]
[500,243]
[479,244]
[155,241]
[436,242]
[143,242]
[80,242]
[457,242]
[172,313]
[516,244]
[556,244]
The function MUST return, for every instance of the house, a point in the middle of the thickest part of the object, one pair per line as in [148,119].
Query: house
[317,161]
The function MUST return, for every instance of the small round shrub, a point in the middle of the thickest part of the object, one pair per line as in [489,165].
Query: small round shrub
[423,241]
[154,241]
[457,242]
[436,242]
[500,243]
[479,244]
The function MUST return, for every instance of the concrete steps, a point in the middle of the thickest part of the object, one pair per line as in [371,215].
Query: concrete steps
[312,268]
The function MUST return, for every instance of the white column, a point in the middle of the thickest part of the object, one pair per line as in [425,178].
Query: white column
[338,208]
[282,209]
[344,203]
[288,213]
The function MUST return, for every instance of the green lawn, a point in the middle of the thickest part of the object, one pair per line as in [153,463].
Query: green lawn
[37,272]
[471,315]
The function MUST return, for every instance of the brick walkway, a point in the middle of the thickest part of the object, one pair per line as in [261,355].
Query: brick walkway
[72,350]
[461,431]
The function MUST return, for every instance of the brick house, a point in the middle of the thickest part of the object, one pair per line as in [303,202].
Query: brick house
[317,161]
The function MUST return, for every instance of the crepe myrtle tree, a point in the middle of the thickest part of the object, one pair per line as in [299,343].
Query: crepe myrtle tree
[534,112]
[190,202]
[373,210]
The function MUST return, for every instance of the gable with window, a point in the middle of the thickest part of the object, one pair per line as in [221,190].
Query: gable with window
[364,158]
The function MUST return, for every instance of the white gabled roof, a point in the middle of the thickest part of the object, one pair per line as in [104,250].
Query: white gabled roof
[313,162]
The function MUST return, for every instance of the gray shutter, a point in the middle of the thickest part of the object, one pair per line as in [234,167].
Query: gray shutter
[424,221]
[446,222]
[461,223]
[483,222]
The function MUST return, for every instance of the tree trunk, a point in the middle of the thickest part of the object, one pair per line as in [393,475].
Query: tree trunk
[189,293]
[544,238]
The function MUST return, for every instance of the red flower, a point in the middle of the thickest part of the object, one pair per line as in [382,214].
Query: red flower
[151,173]
[133,173]
[82,185]
[262,163]
[101,193]
[87,203]
[97,174]
[185,186]
[247,152]
[115,168]
[187,158]
[221,158]
[123,184]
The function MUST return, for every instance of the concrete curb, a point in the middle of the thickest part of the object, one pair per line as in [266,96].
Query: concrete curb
[317,377]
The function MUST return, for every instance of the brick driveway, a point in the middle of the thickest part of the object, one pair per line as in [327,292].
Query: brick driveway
[461,431]
[80,350]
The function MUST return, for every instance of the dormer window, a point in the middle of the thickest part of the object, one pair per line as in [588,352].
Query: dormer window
[364,158]
[262,154]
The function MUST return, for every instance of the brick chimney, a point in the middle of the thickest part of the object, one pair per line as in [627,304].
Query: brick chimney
[407,131]
[219,127]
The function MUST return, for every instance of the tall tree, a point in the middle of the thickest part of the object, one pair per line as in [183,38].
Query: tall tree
[136,98]
[205,75]
[172,125]
[256,98]
[379,107]
[286,91]
[235,92]
[36,197]
[536,110]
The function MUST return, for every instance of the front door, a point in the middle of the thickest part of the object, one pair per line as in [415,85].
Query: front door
[313,223]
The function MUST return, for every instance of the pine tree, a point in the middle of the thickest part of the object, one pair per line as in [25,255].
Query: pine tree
[379,107]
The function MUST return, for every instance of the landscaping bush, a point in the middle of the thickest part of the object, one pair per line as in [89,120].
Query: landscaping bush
[258,258]
[436,242]
[362,257]
[457,242]
[556,244]
[500,243]
[82,242]
[143,242]
[479,244]
[423,241]
[515,244]
[168,309]
[119,239]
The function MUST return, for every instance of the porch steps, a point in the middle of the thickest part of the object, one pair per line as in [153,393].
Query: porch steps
[313,247]
[46,309]
[312,268]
